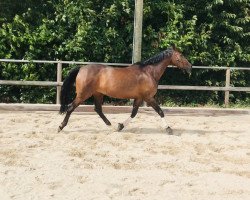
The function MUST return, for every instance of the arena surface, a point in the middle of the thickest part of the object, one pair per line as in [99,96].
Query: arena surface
[208,157]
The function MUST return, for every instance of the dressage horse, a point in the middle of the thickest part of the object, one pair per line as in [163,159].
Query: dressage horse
[138,81]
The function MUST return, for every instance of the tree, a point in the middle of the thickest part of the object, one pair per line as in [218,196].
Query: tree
[208,32]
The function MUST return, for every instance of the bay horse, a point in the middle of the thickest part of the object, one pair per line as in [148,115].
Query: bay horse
[138,81]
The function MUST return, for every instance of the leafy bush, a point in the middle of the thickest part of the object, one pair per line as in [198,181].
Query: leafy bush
[208,32]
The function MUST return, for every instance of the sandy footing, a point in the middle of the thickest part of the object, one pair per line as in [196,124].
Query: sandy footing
[208,157]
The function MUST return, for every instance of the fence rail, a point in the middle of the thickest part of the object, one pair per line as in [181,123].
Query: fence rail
[227,89]
[62,62]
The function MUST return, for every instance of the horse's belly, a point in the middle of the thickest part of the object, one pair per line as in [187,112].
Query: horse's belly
[120,92]
[122,95]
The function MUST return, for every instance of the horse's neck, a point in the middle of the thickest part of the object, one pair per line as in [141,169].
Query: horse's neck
[159,69]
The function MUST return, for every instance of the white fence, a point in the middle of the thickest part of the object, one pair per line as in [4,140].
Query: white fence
[227,88]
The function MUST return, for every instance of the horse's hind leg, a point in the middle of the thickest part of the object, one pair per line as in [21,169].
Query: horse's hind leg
[157,108]
[98,99]
[136,104]
[77,101]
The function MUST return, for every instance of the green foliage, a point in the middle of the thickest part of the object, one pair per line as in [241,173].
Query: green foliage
[213,32]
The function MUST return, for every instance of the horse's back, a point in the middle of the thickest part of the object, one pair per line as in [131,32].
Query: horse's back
[125,82]
[91,69]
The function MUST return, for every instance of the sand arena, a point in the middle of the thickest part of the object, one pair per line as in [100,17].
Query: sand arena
[207,158]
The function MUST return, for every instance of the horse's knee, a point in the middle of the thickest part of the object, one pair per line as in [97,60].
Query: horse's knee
[134,112]
[97,109]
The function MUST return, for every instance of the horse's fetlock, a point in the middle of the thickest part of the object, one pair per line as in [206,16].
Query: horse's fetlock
[161,114]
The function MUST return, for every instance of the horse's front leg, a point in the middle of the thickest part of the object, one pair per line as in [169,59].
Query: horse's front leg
[136,104]
[151,102]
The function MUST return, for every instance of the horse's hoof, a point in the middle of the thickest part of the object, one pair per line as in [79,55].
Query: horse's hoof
[120,127]
[169,130]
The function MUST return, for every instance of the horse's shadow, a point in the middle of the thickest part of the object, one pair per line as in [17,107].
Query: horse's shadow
[176,132]
[146,131]
[81,130]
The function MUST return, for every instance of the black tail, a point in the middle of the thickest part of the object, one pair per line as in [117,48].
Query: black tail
[66,88]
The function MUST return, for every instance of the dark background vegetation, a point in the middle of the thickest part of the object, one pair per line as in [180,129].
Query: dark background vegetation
[209,32]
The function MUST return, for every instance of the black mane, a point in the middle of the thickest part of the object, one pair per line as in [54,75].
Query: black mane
[156,59]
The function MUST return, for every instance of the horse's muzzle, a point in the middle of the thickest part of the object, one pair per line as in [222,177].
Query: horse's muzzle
[189,69]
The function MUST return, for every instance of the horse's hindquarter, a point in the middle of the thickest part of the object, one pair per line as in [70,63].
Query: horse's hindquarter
[87,79]
[129,82]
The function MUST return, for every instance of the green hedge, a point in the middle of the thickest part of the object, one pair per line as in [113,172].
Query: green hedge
[208,32]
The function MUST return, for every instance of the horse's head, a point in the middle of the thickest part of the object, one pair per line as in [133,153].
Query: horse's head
[180,61]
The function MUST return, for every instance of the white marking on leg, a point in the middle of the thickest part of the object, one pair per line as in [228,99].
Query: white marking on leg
[127,121]
[164,122]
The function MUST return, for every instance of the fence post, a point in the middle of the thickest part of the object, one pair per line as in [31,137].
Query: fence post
[226,101]
[58,79]
[137,39]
